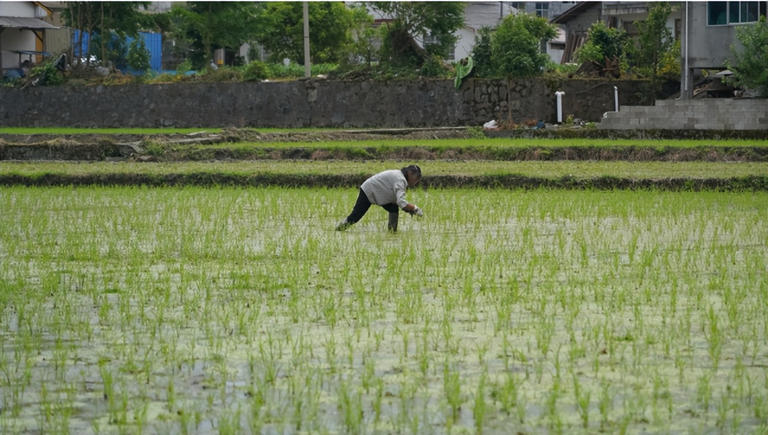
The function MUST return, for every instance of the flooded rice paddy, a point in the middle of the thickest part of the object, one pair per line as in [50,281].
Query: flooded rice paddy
[227,310]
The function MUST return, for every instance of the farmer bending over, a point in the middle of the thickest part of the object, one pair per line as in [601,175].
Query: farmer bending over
[386,189]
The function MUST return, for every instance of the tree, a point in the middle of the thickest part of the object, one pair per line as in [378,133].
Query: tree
[211,25]
[605,49]
[750,65]
[137,56]
[516,45]
[481,53]
[363,34]
[105,21]
[434,22]
[281,31]
[654,40]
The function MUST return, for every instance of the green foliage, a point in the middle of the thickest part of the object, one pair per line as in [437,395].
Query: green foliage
[255,71]
[516,45]
[364,38]
[481,53]
[205,26]
[750,64]
[669,67]
[184,67]
[281,30]
[605,47]
[293,70]
[46,74]
[138,55]
[655,43]
[436,20]
[434,67]
[222,74]
[123,18]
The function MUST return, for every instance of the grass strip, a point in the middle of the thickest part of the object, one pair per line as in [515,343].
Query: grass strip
[448,143]
[546,169]
[602,175]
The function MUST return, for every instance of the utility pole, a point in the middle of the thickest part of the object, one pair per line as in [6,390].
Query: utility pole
[307,66]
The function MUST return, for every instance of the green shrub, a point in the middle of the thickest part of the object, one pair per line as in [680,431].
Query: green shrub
[433,67]
[138,55]
[515,46]
[481,53]
[255,71]
[222,74]
[750,65]
[606,48]
[184,67]
[46,74]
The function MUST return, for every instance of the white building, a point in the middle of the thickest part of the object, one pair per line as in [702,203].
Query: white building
[22,34]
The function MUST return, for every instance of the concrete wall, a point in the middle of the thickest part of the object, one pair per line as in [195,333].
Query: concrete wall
[709,46]
[312,103]
[701,114]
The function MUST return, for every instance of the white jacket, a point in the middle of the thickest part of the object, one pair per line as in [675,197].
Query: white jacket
[386,187]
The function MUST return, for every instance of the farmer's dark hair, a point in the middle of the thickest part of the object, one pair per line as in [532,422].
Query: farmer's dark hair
[413,169]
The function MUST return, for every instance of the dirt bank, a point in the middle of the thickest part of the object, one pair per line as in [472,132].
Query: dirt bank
[510,181]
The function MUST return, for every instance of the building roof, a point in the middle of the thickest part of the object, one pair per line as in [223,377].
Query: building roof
[25,23]
[573,12]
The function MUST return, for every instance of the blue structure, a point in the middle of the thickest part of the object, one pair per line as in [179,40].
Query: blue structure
[153,42]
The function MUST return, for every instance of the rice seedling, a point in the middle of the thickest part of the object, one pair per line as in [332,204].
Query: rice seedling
[201,310]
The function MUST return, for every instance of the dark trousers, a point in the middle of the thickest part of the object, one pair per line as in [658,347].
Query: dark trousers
[362,205]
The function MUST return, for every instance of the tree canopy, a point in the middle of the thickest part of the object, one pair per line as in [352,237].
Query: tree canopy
[654,40]
[280,30]
[516,45]
[211,25]
[433,22]
[750,63]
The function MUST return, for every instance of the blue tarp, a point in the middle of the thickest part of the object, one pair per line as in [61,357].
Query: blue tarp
[153,42]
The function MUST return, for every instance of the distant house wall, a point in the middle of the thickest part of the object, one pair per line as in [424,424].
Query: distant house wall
[314,103]
[17,9]
[709,46]
[15,39]
[476,16]
[703,45]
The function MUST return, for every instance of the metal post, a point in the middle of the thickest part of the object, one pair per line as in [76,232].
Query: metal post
[307,66]
[616,97]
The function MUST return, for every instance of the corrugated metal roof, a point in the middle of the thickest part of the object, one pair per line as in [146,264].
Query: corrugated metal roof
[25,23]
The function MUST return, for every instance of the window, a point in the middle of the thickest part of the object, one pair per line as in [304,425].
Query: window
[722,13]
[542,9]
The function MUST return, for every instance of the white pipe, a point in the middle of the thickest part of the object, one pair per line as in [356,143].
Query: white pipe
[616,98]
[559,95]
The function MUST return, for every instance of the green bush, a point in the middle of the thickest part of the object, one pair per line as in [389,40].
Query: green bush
[750,65]
[46,74]
[255,71]
[481,53]
[138,55]
[433,67]
[222,74]
[606,48]
[515,46]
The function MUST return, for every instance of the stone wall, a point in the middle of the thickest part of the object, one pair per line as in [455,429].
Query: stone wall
[313,103]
